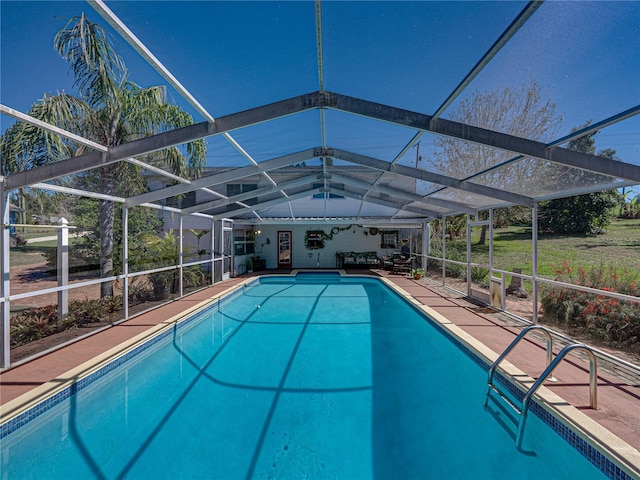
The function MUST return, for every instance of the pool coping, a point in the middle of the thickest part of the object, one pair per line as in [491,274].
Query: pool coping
[588,430]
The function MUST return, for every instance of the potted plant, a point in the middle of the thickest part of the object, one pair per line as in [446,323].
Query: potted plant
[249,263]
[160,252]
[417,273]
[163,252]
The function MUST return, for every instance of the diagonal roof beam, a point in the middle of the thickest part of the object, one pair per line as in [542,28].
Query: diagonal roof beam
[219,178]
[119,26]
[433,177]
[251,194]
[23,117]
[384,203]
[163,140]
[83,141]
[270,203]
[502,40]
[414,197]
[151,59]
[503,141]
[511,30]
[567,138]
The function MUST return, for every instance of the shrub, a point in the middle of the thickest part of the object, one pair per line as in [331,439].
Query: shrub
[559,216]
[41,322]
[609,320]
[479,275]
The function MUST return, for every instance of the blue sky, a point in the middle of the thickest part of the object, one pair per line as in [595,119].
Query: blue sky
[236,55]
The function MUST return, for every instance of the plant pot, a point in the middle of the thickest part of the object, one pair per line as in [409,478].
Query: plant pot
[161,292]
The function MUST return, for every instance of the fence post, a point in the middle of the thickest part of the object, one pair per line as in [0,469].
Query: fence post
[5,243]
[63,267]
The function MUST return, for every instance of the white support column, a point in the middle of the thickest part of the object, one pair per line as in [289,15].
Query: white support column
[426,243]
[490,227]
[125,261]
[469,253]
[534,238]
[444,249]
[180,259]
[63,268]
[5,330]
[213,247]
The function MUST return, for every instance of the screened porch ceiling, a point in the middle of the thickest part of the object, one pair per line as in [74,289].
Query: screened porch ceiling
[337,111]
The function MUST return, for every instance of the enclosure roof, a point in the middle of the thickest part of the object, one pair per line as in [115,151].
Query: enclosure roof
[372,112]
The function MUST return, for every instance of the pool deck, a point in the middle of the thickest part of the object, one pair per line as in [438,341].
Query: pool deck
[618,398]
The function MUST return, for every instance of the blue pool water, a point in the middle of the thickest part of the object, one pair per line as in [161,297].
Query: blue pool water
[323,377]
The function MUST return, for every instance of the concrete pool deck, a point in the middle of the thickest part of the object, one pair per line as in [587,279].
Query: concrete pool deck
[618,399]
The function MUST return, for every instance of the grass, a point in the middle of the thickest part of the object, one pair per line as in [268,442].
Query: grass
[618,248]
[33,253]
[29,254]
[35,232]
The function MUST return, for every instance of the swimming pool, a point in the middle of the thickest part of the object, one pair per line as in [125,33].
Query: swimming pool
[317,376]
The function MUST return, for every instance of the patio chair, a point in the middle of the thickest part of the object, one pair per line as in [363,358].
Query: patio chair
[402,265]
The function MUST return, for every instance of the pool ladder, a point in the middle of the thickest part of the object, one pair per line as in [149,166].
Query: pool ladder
[551,365]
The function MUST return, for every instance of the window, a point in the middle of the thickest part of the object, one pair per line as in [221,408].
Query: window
[389,239]
[238,188]
[244,241]
[314,239]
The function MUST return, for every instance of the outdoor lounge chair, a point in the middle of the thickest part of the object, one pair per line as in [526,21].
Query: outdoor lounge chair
[402,265]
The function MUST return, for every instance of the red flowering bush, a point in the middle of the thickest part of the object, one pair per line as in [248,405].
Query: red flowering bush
[601,317]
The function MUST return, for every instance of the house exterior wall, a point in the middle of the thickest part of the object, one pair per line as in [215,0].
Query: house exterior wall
[352,240]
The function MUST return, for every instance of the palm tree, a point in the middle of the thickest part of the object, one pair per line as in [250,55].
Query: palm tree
[109,110]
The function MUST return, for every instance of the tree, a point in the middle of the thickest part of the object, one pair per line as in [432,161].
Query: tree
[520,112]
[109,110]
[587,214]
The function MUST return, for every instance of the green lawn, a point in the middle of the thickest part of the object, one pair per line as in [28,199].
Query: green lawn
[619,248]
[33,252]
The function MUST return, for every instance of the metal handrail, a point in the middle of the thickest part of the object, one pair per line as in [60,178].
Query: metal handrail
[593,383]
[515,341]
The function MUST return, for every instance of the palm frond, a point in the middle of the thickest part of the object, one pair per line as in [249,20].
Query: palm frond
[98,69]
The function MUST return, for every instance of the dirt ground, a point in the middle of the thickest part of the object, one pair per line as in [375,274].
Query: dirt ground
[29,278]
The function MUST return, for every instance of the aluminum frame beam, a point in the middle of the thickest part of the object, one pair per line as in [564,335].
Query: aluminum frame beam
[164,140]
[507,35]
[385,203]
[23,117]
[119,26]
[483,136]
[217,179]
[270,203]
[352,105]
[396,192]
[152,60]
[433,177]
[253,193]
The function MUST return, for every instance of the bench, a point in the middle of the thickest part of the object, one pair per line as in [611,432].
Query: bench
[357,259]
